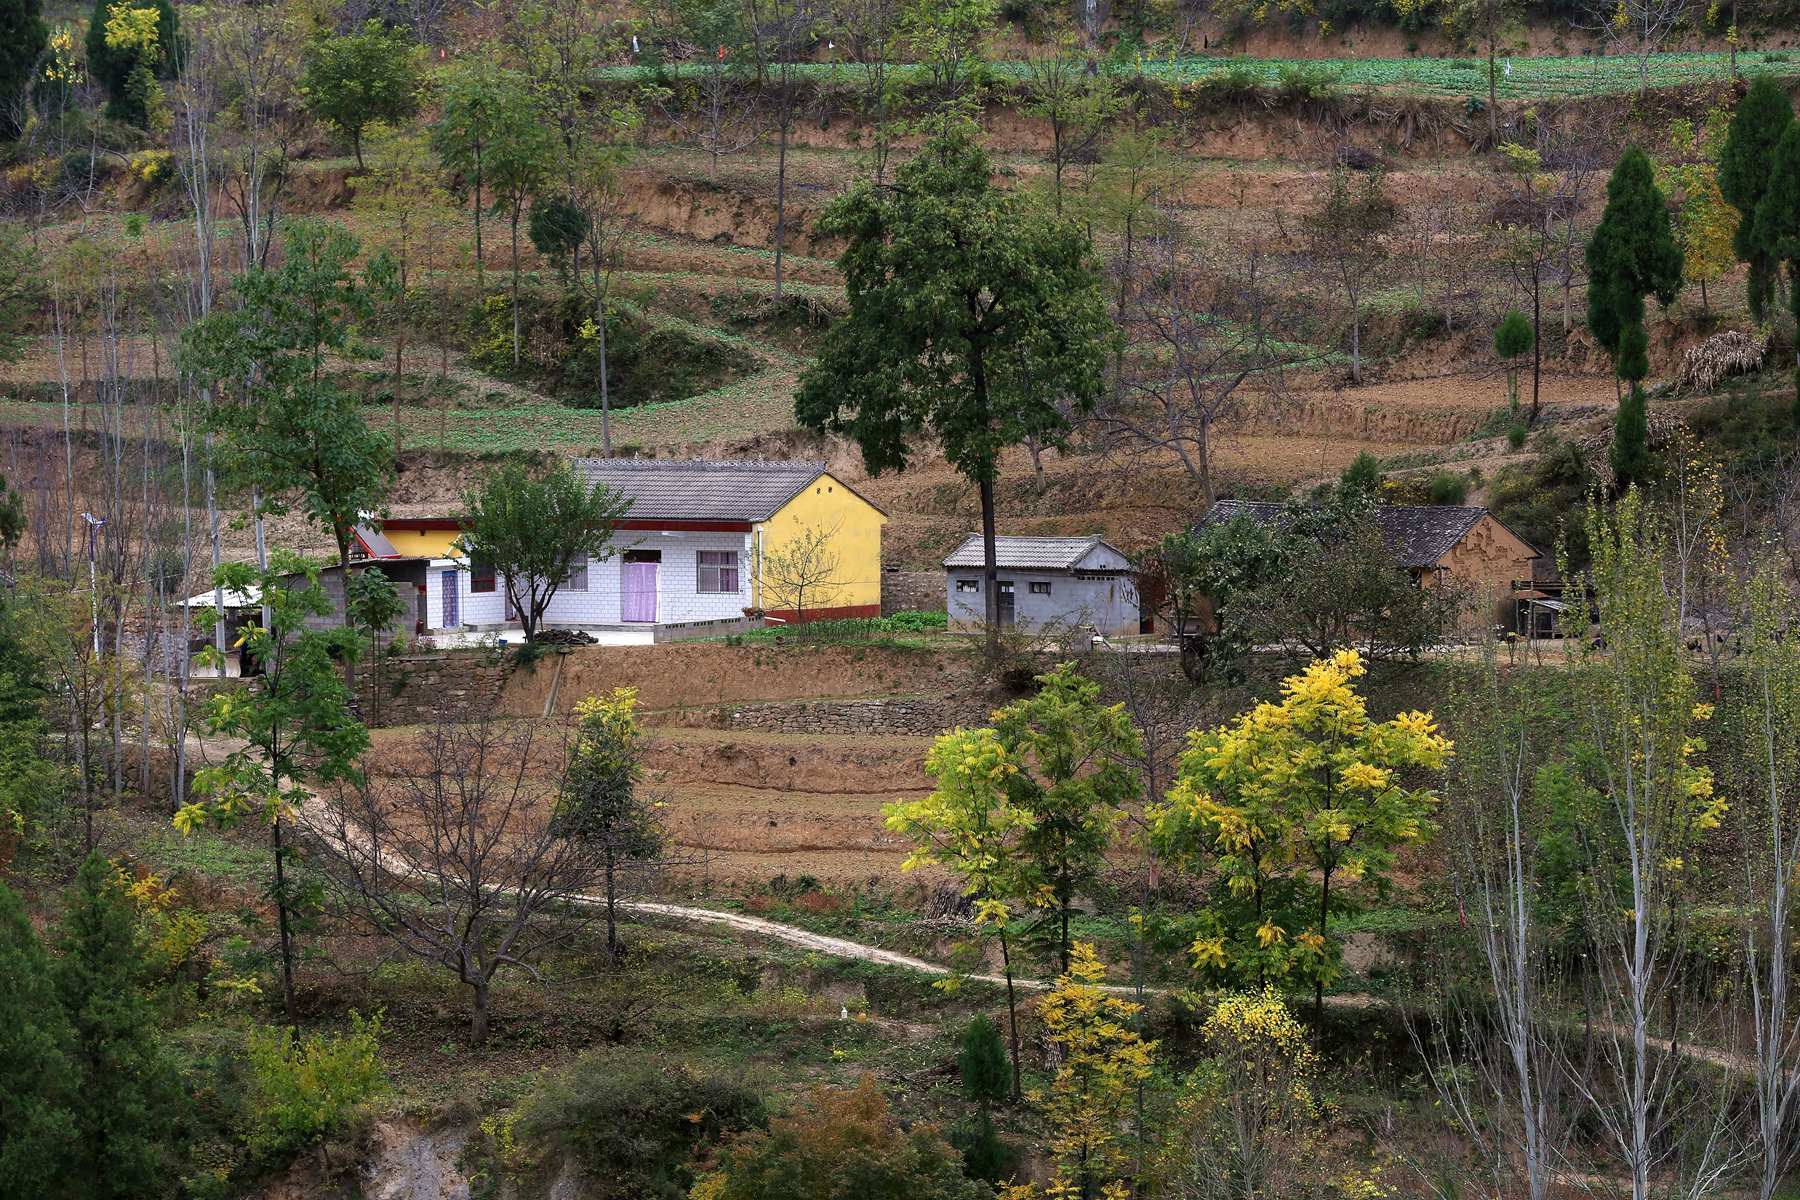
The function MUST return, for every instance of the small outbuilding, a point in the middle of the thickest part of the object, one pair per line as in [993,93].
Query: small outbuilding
[1045,582]
[1435,544]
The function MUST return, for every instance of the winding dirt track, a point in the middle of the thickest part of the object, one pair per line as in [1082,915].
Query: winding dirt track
[315,817]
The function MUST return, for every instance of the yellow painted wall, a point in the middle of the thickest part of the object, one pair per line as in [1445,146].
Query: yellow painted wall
[426,543]
[825,503]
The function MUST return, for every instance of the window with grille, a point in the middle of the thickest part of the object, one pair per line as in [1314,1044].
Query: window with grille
[577,579]
[481,576]
[718,571]
[1040,587]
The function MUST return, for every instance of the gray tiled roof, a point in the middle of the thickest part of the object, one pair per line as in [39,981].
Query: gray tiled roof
[1025,553]
[1418,534]
[700,489]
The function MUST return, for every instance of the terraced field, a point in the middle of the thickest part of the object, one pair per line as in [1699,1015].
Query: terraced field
[1524,78]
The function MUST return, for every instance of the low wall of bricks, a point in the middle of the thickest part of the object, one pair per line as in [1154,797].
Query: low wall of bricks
[904,591]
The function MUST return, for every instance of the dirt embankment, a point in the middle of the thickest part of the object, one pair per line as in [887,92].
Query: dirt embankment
[686,675]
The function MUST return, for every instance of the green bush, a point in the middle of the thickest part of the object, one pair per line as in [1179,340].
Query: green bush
[306,1090]
[633,1122]
[1307,81]
[1448,487]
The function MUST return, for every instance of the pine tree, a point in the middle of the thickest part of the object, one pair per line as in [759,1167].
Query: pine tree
[1757,126]
[1778,224]
[22,38]
[36,1127]
[126,1096]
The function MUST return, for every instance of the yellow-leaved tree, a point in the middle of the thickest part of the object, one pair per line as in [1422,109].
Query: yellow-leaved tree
[1285,806]
[1101,1062]
[970,825]
[1246,1114]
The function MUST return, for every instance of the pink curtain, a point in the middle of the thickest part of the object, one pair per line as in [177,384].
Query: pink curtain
[638,601]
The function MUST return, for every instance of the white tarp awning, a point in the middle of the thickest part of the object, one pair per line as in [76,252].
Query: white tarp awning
[249,598]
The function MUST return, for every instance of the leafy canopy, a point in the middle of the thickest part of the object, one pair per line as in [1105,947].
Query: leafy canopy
[351,80]
[971,317]
[289,428]
[1283,801]
[532,532]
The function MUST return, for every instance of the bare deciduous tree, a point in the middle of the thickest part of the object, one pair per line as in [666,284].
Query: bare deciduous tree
[455,856]
[1209,333]
[1345,237]
[802,574]
[1512,1105]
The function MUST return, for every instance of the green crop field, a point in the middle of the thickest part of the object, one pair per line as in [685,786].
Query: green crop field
[1520,78]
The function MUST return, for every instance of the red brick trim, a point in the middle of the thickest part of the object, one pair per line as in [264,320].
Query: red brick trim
[789,617]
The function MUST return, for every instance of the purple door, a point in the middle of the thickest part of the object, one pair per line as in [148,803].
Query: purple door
[638,593]
[450,581]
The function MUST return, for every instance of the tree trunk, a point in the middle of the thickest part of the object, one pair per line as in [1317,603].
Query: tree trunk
[1537,349]
[480,261]
[990,570]
[1324,916]
[612,923]
[1012,1014]
[478,1013]
[515,282]
[600,323]
[289,1005]
[781,149]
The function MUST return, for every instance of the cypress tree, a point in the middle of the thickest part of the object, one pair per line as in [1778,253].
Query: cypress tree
[1778,224]
[1757,126]
[1630,455]
[22,38]
[126,1094]
[1632,254]
[36,1128]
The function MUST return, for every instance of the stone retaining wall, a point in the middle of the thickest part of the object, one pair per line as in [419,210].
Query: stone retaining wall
[903,717]
[409,689]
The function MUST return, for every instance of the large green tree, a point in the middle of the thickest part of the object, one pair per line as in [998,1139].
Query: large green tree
[1757,125]
[289,428]
[22,38]
[352,80]
[532,532]
[1778,223]
[1632,254]
[127,1098]
[973,319]
[37,1130]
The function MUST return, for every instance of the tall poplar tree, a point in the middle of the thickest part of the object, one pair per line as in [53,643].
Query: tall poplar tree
[972,318]
[1757,125]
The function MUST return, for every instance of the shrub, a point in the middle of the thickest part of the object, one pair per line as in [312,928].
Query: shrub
[306,1090]
[1515,435]
[841,1144]
[1306,81]
[1448,487]
[633,1123]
